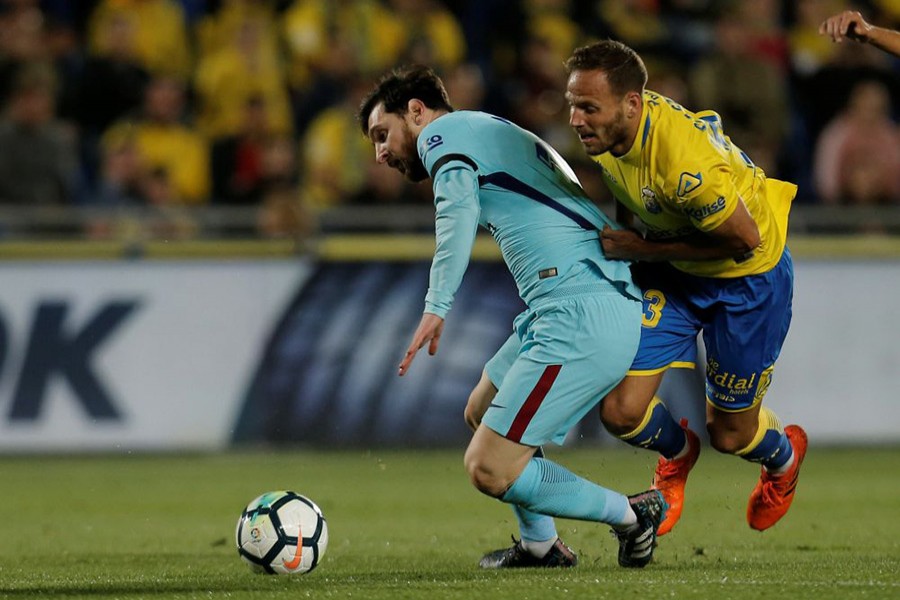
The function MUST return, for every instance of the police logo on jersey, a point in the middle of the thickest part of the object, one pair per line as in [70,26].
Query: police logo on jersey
[648,197]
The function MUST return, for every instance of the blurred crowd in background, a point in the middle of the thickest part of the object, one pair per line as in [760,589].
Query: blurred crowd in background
[252,103]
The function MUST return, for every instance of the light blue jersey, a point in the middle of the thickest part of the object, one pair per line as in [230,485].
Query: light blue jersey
[487,171]
[580,331]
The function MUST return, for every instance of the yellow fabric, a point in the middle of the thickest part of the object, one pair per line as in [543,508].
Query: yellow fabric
[767,420]
[334,157]
[557,29]
[221,28]
[444,36]
[183,154]
[311,29]
[227,79]
[160,33]
[683,174]
[636,23]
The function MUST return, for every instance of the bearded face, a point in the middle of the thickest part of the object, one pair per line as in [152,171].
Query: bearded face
[598,115]
[395,143]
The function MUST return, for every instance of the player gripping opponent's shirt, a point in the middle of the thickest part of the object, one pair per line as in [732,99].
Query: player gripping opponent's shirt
[711,259]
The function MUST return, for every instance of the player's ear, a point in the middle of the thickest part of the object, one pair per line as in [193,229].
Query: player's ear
[416,109]
[633,105]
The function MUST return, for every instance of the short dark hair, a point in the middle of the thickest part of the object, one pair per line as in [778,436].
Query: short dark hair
[625,71]
[401,85]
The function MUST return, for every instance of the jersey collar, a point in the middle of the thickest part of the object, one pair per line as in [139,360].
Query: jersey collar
[633,155]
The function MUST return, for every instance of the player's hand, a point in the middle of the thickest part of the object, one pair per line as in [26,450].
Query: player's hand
[622,244]
[849,24]
[429,332]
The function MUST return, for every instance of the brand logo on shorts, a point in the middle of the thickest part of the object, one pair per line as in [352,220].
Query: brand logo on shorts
[731,385]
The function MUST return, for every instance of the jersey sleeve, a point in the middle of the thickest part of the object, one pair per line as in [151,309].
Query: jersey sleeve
[702,182]
[457,209]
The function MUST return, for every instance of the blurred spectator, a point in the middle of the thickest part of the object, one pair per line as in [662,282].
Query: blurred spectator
[113,83]
[433,35]
[282,214]
[382,189]
[331,43]
[825,92]
[748,92]
[38,157]
[160,33]
[343,36]
[243,69]
[667,78]
[165,144]
[222,26]
[809,50]
[857,158]
[283,211]
[334,153]
[465,84]
[637,23]
[21,40]
[551,21]
[766,38]
[237,160]
[120,175]
[536,94]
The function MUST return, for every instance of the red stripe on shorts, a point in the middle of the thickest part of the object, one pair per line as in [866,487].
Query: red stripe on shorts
[525,414]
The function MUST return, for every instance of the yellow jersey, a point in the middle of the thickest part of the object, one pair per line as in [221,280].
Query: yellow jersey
[683,174]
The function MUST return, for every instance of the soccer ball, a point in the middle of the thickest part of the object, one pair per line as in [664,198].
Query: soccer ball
[282,533]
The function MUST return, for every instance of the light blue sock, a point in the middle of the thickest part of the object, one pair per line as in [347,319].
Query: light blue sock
[547,488]
[534,527]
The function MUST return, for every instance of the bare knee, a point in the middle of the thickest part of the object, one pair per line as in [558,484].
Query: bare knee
[624,408]
[728,440]
[621,412]
[486,476]
[730,433]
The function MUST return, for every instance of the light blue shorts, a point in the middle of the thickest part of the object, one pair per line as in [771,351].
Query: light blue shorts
[565,355]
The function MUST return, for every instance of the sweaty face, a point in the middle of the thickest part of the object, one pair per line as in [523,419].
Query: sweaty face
[597,114]
[395,143]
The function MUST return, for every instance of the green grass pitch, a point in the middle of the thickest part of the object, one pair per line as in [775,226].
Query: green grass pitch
[407,524]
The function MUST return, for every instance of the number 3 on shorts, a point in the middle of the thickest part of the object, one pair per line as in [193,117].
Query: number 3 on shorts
[654,302]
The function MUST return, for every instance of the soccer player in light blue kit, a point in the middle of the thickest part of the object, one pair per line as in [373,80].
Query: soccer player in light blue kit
[570,347]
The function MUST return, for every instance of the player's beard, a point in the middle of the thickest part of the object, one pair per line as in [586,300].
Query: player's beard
[607,136]
[409,163]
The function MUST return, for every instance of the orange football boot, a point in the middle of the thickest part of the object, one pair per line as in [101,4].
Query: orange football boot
[773,494]
[671,476]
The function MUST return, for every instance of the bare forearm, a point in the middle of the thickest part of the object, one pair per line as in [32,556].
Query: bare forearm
[885,39]
[698,247]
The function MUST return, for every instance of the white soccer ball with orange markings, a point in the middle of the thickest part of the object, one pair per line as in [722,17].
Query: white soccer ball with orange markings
[282,533]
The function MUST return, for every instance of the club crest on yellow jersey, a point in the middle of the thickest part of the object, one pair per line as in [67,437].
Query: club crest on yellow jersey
[648,197]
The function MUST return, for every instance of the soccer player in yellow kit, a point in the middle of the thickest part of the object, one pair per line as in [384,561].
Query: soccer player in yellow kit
[711,258]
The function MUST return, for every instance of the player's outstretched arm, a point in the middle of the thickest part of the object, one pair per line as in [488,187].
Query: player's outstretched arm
[850,24]
[429,332]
